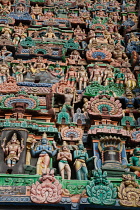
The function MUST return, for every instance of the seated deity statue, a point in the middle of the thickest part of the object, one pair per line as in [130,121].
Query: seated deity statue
[49,34]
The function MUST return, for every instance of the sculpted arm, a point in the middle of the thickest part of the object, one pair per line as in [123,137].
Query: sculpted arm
[18,151]
[14,69]
[53,153]
[36,152]
[69,157]
[76,155]
[59,156]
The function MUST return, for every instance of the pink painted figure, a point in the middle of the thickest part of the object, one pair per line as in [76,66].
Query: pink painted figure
[96,74]
[71,76]
[48,191]
[12,150]
[63,157]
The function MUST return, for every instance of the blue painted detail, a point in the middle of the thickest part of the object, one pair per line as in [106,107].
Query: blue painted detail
[69,133]
[128,22]
[133,46]
[124,156]
[30,103]
[23,16]
[15,199]
[97,160]
[32,84]
[4,20]
[98,54]
[25,51]
[134,134]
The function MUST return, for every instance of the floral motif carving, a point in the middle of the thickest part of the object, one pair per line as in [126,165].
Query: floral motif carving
[71,133]
[105,105]
[49,191]
[102,55]
[100,190]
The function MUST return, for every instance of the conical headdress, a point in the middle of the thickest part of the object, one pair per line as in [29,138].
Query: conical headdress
[14,136]
[44,136]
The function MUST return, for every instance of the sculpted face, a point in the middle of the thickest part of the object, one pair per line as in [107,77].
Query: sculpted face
[44,141]
[14,139]
[68,90]
[80,146]
[64,148]
[137,151]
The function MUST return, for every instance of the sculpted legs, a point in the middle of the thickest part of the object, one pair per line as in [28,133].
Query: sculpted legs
[64,167]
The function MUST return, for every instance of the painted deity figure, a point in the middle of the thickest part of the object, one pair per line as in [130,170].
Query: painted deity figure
[133,38]
[43,151]
[129,100]
[19,71]
[39,65]
[81,158]
[130,80]
[108,76]
[4,72]
[71,76]
[82,77]
[20,29]
[57,71]
[16,38]
[4,53]
[20,8]
[6,31]
[96,74]
[69,96]
[118,53]
[36,12]
[64,156]
[12,150]
[120,77]
[49,35]
[135,161]
[74,57]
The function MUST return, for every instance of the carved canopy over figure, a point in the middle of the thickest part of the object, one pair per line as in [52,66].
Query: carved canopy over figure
[12,150]
[104,105]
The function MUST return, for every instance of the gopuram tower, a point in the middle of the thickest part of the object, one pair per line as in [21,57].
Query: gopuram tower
[69,104]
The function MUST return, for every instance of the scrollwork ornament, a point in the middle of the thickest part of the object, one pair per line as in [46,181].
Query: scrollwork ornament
[100,190]
[129,192]
[49,191]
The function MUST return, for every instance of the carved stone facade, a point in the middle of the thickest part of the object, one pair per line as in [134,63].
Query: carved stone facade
[70,104]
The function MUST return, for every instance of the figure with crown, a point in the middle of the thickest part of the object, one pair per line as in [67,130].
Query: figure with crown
[43,151]
[12,150]
[81,160]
